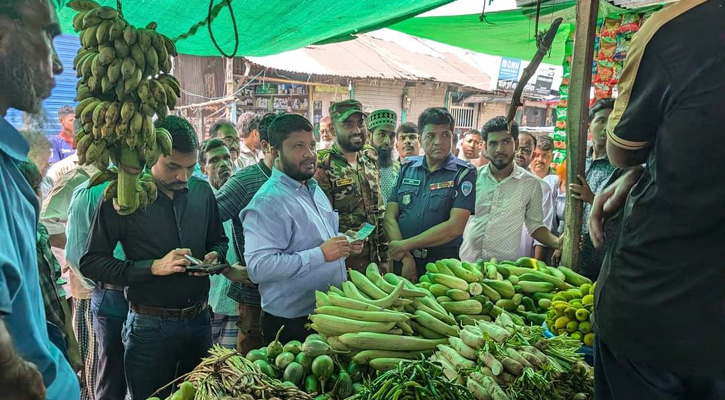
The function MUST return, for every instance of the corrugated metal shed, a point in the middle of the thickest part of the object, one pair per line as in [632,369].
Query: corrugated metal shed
[63,93]
[409,59]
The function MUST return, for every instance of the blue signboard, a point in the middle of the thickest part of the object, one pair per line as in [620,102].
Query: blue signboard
[508,74]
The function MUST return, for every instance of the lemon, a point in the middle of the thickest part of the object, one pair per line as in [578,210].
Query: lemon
[589,339]
[582,315]
[585,327]
[594,287]
[576,304]
[571,313]
[585,288]
[588,300]
[577,335]
[572,326]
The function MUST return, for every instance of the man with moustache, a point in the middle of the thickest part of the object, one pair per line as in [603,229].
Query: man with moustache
[432,199]
[31,366]
[507,197]
[407,141]
[226,131]
[292,245]
[471,145]
[327,137]
[382,128]
[529,247]
[249,151]
[168,329]
[542,157]
[348,174]
[215,161]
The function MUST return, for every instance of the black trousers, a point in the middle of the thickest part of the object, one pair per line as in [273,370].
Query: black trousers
[618,378]
[294,328]
[433,255]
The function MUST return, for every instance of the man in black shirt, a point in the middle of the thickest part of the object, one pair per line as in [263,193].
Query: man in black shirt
[659,308]
[168,328]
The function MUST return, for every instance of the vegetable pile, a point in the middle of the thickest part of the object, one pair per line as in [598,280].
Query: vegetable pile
[379,321]
[124,82]
[502,361]
[312,366]
[413,380]
[485,290]
[571,312]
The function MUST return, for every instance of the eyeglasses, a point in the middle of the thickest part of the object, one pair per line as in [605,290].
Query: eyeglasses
[524,150]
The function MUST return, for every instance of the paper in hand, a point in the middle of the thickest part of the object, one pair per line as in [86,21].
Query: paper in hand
[363,233]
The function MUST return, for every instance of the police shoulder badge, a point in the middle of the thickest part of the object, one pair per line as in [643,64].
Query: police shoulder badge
[406,199]
[466,188]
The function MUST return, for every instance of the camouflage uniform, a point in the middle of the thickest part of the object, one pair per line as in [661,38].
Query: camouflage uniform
[355,195]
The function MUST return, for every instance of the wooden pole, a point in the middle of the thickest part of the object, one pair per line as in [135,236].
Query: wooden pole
[577,123]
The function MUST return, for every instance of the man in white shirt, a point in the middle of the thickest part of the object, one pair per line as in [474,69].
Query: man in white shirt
[507,197]
[529,247]
[249,150]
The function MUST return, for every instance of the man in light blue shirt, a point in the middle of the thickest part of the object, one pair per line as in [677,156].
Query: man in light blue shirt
[292,244]
[28,65]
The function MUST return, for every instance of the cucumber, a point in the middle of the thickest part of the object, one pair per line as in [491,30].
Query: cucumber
[538,276]
[574,278]
[508,305]
[438,290]
[471,307]
[528,304]
[443,268]
[458,294]
[504,288]
[430,267]
[490,293]
[555,272]
[535,287]
[503,270]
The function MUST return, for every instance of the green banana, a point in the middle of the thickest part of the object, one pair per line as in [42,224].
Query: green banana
[120,91]
[102,31]
[115,31]
[106,54]
[88,37]
[171,98]
[99,114]
[113,113]
[151,190]
[80,134]
[144,91]
[150,138]
[87,67]
[130,35]
[95,85]
[152,61]
[144,39]
[128,66]
[114,70]
[106,85]
[87,112]
[83,104]
[163,139]
[91,19]
[101,176]
[111,190]
[170,46]
[136,124]
[157,41]
[151,156]
[132,83]
[102,162]
[157,91]
[107,13]
[122,50]
[122,129]
[98,68]
[149,109]
[127,111]
[138,56]
[78,21]
[172,82]
[83,92]
[82,5]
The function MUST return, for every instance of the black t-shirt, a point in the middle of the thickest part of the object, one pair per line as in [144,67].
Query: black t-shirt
[660,296]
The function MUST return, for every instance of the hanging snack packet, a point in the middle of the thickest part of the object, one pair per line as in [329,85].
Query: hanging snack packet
[604,72]
[618,66]
[630,23]
[610,26]
[607,49]
[602,91]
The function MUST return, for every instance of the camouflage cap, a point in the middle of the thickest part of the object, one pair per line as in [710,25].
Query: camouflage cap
[382,117]
[341,110]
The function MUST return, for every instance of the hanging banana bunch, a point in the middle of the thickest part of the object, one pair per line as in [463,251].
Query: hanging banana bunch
[124,82]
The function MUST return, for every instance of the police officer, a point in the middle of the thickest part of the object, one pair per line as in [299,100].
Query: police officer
[348,174]
[429,206]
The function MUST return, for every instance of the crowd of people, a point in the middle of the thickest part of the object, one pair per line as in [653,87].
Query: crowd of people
[279,203]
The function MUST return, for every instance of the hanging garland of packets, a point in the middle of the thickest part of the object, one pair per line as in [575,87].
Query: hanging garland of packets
[611,45]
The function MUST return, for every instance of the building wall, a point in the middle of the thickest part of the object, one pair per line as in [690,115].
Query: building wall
[424,95]
[378,94]
[490,110]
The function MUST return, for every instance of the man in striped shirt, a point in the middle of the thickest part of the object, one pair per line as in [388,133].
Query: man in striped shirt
[232,198]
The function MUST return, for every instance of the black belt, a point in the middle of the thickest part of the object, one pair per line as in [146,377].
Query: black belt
[108,286]
[169,313]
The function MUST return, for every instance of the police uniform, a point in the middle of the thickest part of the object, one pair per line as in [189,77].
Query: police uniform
[425,199]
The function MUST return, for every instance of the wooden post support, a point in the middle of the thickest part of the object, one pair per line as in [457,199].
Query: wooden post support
[577,123]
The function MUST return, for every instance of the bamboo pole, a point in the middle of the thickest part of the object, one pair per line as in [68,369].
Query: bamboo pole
[577,123]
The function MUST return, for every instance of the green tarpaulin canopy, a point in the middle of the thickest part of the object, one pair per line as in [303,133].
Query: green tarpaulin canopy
[265,26]
[504,33]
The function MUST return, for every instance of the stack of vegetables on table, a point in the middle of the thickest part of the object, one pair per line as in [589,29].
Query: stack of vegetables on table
[312,366]
[465,331]
[124,82]
[380,320]
[502,361]
[484,290]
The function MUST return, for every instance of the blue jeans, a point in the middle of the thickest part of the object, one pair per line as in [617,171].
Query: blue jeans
[110,309]
[158,350]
